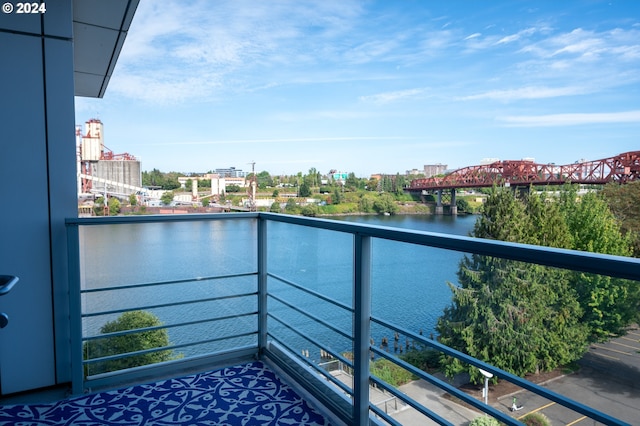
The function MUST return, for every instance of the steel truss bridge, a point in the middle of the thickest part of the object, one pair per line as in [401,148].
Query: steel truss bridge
[622,168]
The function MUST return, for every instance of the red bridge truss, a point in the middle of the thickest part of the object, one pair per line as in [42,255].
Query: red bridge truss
[622,168]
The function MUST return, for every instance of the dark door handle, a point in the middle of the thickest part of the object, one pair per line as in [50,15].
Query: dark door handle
[6,283]
[4,320]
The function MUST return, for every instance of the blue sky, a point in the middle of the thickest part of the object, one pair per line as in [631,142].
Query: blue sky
[372,86]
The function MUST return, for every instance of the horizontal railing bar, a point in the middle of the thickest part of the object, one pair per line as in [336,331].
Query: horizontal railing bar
[160,327]
[311,316]
[338,357]
[165,305]
[308,339]
[445,386]
[159,283]
[312,292]
[410,401]
[523,383]
[328,376]
[172,368]
[282,322]
[614,266]
[192,217]
[165,348]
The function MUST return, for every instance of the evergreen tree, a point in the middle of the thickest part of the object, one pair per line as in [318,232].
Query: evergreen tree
[520,317]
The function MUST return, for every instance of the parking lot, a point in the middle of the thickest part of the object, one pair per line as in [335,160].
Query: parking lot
[608,380]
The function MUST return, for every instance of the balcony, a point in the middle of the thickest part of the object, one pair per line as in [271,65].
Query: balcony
[280,294]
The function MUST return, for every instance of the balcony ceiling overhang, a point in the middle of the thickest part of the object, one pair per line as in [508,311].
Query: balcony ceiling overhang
[99,30]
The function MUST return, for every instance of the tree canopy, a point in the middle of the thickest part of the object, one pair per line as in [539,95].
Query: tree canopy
[122,344]
[525,318]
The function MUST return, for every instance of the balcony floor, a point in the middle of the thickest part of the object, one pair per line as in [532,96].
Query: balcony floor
[248,394]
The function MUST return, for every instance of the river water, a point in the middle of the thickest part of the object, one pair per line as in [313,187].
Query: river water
[409,283]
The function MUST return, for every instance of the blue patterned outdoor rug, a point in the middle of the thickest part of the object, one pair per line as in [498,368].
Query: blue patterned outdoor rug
[249,394]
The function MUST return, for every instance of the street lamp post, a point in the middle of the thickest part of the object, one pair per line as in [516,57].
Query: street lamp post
[485,390]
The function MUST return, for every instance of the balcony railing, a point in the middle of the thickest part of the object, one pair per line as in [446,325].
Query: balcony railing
[229,287]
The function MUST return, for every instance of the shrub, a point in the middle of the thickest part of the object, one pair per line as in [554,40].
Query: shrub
[390,372]
[536,419]
[116,345]
[484,421]
[425,359]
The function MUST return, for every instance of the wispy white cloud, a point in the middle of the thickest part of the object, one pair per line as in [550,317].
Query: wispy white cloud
[174,54]
[472,36]
[553,120]
[517,36]
[387,97]
[531,92]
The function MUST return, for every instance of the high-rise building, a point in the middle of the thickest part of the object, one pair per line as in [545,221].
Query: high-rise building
[431,170]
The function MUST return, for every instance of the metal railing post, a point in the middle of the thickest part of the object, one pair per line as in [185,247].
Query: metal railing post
[262,284]
[362,327]
[75,309]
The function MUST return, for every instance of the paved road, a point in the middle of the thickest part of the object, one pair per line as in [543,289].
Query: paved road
[609,381]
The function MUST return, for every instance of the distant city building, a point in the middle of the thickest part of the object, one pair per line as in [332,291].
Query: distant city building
[414,172]
[231,172]
[99,169]
[431,170]
[339,177]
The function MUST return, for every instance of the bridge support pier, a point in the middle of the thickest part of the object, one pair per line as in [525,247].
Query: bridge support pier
[439,207]
[454,207]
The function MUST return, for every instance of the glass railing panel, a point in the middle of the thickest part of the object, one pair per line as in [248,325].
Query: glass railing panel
[514,311]
[310,292]
[121,254]
[191,287]
[409,285]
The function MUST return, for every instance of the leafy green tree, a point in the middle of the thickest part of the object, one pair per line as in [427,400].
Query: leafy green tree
[232,188]
[310,210]
[291,207]
[166,181]
[305,190]
[372,184]
[205,202]
[353,182]
[114,206]
[520,317]
[167,198]
[133,200]
[366,202]
[399,183]
[276,193]
[264,179]
[463,206]
[385,203]
[623,201]
[98,207]
[126,343]
[337,196]
[275,207]
[609,304]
